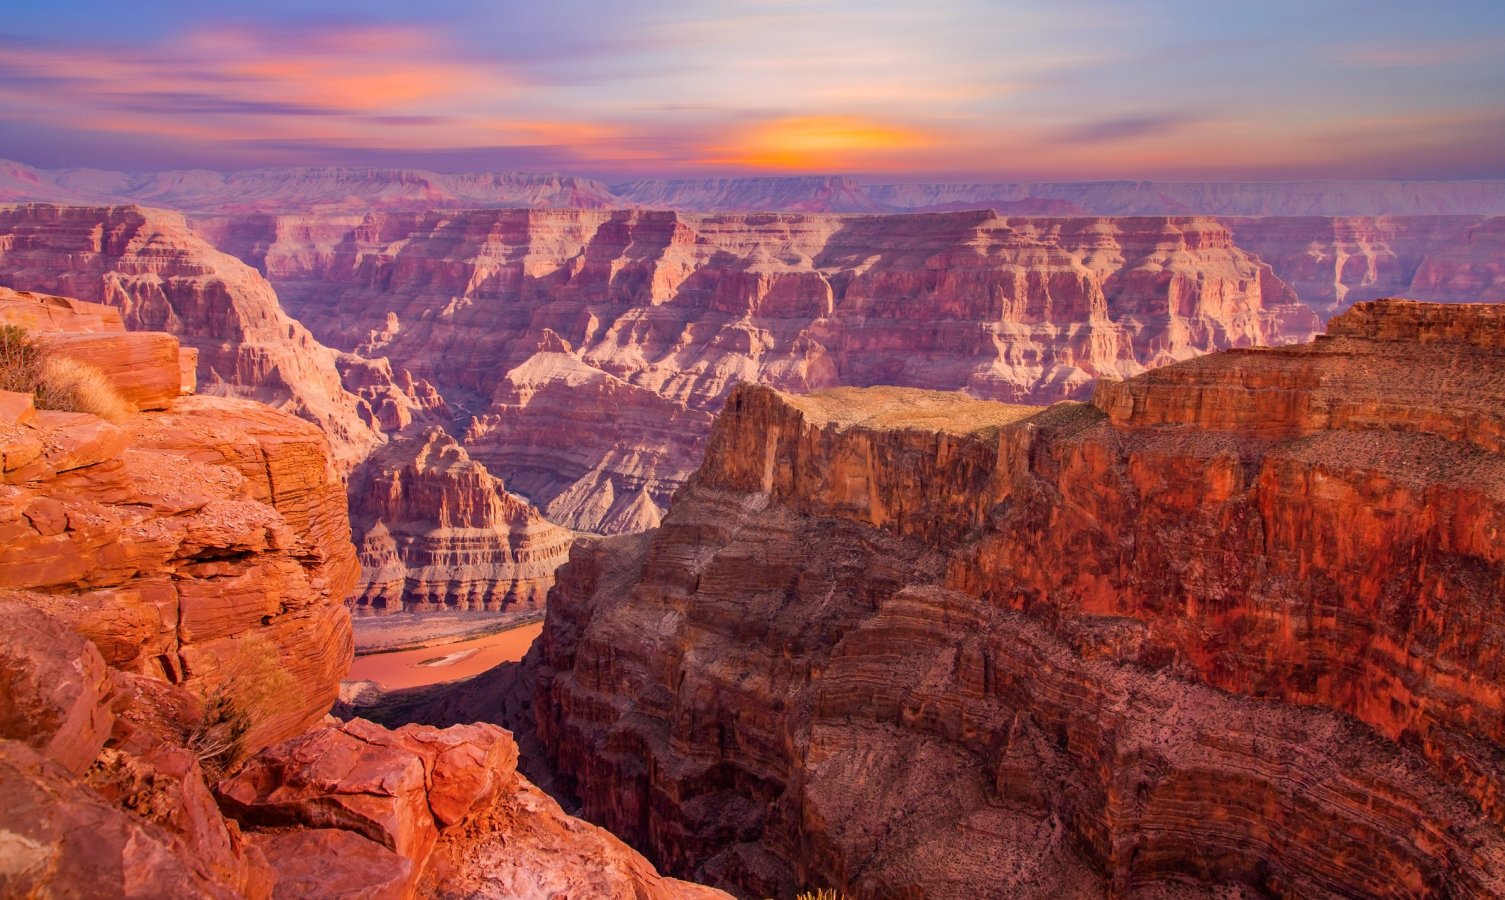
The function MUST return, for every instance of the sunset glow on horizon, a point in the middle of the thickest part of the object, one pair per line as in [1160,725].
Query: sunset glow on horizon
[1023,90]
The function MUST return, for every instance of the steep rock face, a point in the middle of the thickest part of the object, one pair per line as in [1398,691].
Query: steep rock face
[1334,262]
[163,277]
[1236,622]
[444,806]
[172,591]
[592,348]
[177,563]
[435,529]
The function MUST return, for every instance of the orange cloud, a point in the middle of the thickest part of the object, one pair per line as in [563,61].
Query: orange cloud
[396,86]
[820,142]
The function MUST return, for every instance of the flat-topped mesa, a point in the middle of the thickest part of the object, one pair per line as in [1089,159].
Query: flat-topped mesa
[436,530]
[1392,319]
[1388,365]
[1238,622]
[917,462]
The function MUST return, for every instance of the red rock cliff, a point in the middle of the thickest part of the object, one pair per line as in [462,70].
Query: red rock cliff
[163,277]
[1237,622]
[1333,263]
[435,529]
[172,588]
[593,347]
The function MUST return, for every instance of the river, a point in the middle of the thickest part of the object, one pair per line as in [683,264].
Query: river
[445,662]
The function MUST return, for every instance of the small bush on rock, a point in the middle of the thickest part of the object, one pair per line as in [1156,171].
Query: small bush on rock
[76,386]
[57,382]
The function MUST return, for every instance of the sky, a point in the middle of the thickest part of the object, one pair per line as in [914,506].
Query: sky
[881,89]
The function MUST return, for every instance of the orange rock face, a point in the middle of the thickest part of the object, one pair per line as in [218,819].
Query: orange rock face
[1236,622]
[593,347]
[436,530]
[173,591]
[376,804]
[206,546]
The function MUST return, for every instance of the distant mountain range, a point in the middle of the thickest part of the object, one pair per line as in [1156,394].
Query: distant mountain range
[356,189]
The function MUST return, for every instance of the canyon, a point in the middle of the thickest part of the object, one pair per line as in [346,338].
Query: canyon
[591,348]
[1231,627]
[846,605]
[576,357]
[174,588]
[485,548]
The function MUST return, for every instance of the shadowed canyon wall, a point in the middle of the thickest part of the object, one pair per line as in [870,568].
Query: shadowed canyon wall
[1236,622]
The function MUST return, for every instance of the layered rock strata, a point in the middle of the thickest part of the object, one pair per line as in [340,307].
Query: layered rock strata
[173,592]
[205,544]
[1234,625]
[591,348]
[1332,263]
[436,530]
[163,277]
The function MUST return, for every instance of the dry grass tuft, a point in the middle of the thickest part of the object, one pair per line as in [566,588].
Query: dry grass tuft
[57,382]
[76,386]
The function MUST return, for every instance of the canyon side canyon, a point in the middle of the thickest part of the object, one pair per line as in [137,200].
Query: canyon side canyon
[1231,628]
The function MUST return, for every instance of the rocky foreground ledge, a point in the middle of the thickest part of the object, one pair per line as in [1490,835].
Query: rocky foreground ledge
[1236,625]
[173,590]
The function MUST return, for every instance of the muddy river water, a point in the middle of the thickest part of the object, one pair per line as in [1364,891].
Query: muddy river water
[446,662]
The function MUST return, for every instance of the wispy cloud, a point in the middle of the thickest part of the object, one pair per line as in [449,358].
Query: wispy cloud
[1420,53]
[1001,88]
[1158,125]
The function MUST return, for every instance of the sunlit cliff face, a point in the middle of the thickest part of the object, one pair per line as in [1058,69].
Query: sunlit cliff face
[1075,89]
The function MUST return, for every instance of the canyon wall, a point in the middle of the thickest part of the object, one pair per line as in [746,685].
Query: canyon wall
[437,530]
[591,349]
[1332,263]
[164,277]
[1234,625]
[172,586]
